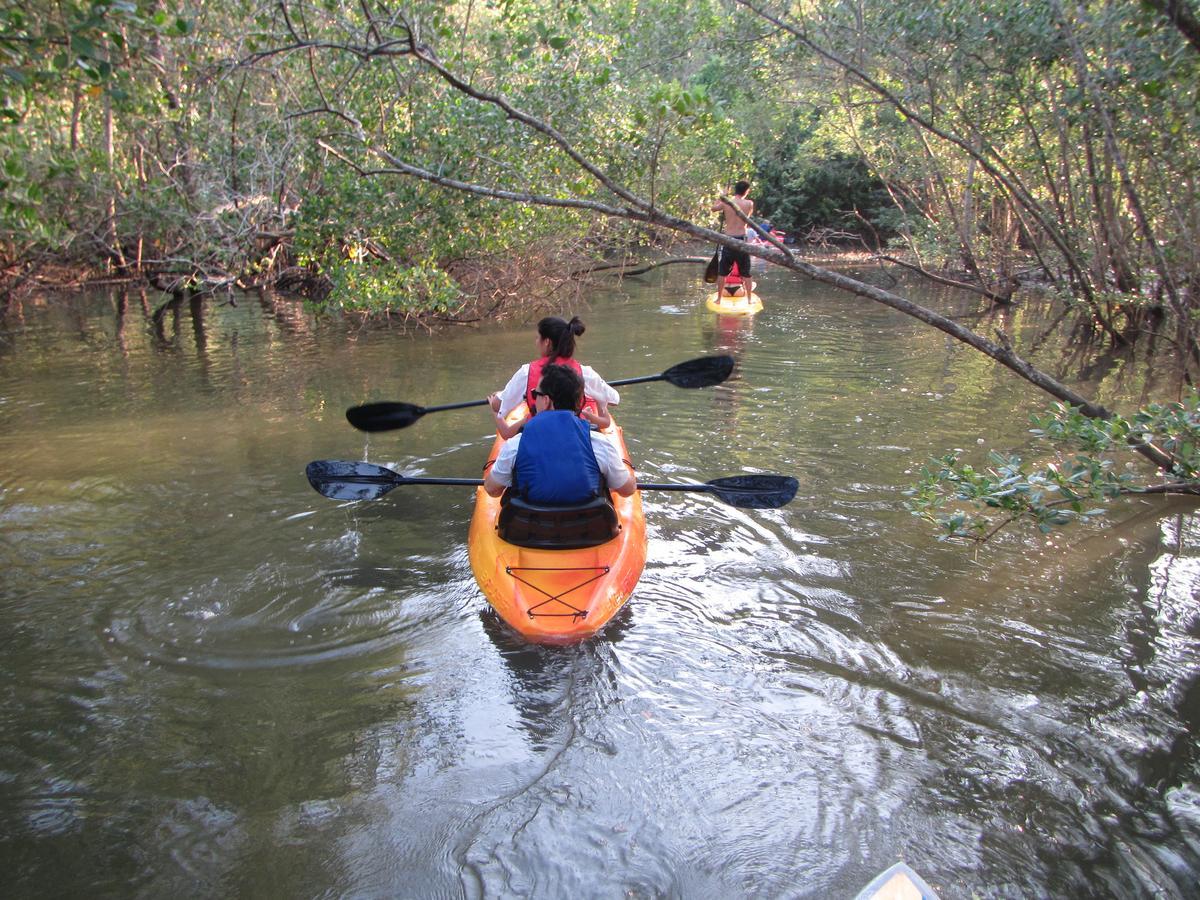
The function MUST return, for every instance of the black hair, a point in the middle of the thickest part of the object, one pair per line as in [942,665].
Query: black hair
[561,335]
[563,386]
[740,188]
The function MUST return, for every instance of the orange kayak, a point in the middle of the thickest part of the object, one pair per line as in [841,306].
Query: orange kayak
[551,595]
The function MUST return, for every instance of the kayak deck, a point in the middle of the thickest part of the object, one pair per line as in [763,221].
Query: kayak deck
[558,596]
[898,882]
[740,305]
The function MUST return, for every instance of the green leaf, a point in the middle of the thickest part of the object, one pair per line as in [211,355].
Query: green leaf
[81,46]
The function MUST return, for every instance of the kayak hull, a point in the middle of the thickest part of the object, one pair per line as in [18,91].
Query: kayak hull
[734,306]
[558,596]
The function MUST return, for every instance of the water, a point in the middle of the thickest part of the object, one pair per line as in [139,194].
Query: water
[218,683]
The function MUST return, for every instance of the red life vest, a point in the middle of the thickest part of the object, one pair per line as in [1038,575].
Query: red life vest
[535,377]
[734,277]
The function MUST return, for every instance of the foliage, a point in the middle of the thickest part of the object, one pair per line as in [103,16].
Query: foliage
[63,69]
[653,132]
[997,136]
[364,285]
[806,183]
[973,504]
[1067,130]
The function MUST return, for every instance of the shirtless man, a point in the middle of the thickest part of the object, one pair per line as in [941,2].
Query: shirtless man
[734,226]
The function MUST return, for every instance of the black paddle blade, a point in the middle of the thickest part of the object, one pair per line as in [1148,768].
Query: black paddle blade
[710,271]
[755,491]
[699,373]
[383,416]
[341,480]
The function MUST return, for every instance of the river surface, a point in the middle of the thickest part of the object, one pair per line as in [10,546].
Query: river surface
[218,683]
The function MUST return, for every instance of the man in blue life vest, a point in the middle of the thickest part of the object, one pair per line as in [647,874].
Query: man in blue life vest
[557,460]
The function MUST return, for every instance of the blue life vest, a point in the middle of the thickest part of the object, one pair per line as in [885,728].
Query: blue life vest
[555,462]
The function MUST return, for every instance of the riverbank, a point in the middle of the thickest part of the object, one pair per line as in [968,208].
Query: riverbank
[486,288]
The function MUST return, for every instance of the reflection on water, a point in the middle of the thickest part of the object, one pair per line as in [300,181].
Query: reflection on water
[218,682]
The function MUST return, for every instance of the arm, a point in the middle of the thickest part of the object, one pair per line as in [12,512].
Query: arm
[617,474]
[493,487]
[505,428]
[513,394]
[600,418]
[497,478]
[630,485]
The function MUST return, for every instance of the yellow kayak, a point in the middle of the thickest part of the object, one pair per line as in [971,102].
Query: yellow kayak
[739,305]
[566,572]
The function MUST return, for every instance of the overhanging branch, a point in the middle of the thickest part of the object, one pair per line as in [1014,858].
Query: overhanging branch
[637,209]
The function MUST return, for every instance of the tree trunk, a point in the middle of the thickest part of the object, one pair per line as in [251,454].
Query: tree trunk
[114,241]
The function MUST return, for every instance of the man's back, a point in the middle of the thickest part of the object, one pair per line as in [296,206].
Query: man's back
[555,461]
[733,223]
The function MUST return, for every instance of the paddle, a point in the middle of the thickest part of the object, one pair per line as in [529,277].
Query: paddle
[388,416]
[344,480]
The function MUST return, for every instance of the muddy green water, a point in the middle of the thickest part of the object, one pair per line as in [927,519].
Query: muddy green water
[217,683]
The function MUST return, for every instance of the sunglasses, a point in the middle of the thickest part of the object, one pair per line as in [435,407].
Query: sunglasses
[536,393]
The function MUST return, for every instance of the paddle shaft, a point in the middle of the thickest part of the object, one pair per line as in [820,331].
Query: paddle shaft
[677,487]
[467,403]
[343,480]
[389,416]
[401,480]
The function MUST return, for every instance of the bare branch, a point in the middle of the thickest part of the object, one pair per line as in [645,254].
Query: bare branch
[426,56]
[1013,188]
[639,210]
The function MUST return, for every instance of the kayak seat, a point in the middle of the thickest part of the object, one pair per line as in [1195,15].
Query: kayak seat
[557,527]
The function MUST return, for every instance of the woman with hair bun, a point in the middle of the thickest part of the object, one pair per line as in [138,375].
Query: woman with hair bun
[556,346]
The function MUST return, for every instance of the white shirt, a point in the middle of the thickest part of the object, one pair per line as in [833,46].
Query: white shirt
[611,465]
[594,386]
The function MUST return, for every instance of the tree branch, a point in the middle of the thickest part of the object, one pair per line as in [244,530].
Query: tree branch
[639,210]
[1180,14]
[701,260]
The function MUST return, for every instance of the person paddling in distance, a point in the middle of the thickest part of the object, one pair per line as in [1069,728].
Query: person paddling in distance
[556,345]
[557,460]
[733,226]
